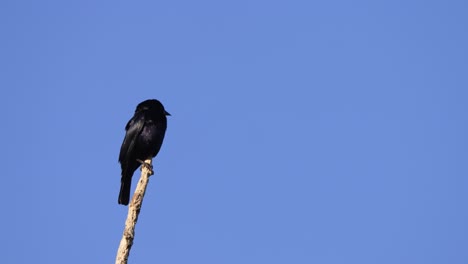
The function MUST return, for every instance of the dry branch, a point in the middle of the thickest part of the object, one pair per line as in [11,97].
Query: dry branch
[132,217]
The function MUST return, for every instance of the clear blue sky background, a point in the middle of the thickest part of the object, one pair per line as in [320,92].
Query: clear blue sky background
[301,131]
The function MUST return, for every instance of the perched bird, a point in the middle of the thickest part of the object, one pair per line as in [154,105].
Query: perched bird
[143,139]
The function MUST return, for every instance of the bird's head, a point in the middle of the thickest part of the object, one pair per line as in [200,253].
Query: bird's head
[151,105]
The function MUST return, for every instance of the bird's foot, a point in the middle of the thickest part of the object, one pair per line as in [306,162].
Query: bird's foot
[147,166]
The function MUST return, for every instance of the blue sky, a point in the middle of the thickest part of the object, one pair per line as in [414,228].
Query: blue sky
[301,131]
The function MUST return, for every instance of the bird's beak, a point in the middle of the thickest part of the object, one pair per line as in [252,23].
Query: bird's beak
[167,113]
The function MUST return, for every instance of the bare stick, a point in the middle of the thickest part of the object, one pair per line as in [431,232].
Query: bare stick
[132,217]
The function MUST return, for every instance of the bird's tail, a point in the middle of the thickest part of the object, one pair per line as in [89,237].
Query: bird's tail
[125,184]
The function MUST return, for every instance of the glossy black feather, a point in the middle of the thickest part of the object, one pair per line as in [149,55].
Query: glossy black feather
[143,139]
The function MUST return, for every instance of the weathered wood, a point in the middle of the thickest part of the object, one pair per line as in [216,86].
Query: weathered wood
[132,217]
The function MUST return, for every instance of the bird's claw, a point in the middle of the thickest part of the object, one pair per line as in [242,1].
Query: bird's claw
[148,166]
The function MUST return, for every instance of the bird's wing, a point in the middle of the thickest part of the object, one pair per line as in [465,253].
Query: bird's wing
[134,128]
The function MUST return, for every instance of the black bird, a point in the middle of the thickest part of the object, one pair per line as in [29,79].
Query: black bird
[143,139]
